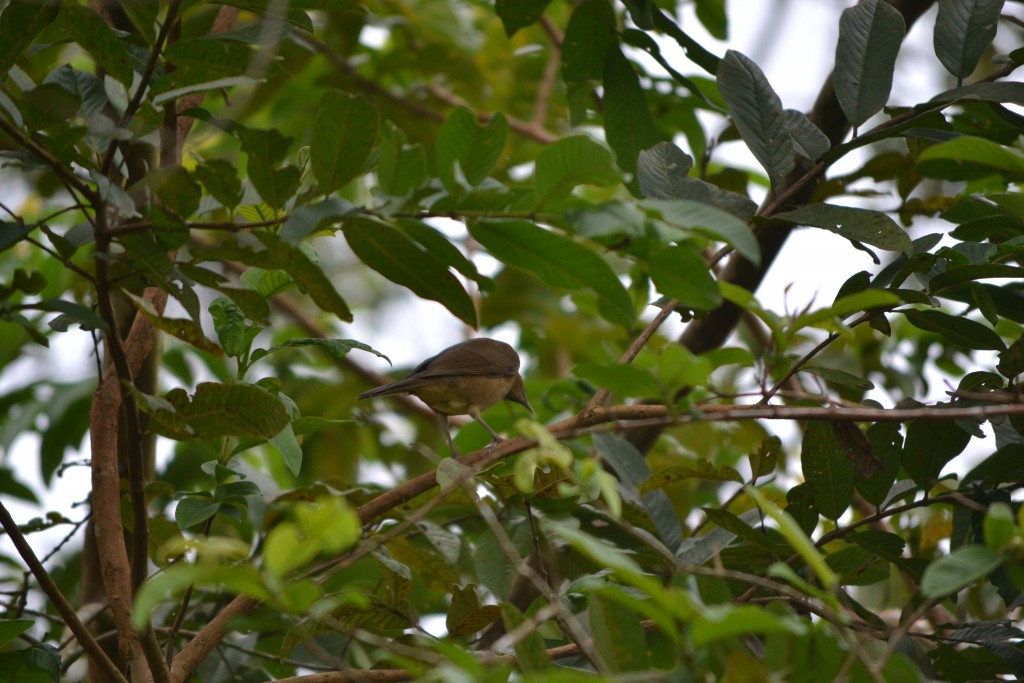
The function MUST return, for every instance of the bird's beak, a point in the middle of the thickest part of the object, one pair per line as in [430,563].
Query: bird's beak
[518,393]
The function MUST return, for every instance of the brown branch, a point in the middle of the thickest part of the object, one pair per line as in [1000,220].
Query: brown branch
[103,422]
[67,612]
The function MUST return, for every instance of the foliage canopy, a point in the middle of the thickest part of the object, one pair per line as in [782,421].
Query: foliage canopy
[221,195]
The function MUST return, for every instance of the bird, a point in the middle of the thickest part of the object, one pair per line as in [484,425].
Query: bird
[464,379]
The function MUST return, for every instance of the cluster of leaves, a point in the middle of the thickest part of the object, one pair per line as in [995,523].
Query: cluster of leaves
[705,548]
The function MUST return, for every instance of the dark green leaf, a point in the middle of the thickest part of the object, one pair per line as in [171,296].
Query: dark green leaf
[20,22]
[558,261]
[517,14]
[862,225]
[956,275]
[827,469]
[662,172]
[572,161]
[839,377]
[337,348]
[929,446]
[587,39]
[309,219]
[963,566]
[887,445]
[963,31]
[309,275]
[229,324]
[193,510]
[625,380]
[12,233]
[808,139]
[695,52]
[394,256]
[618,634]
[345,133]
[401,168]
[219,410]
[441,247]
[967,152]
[757,112]
[475,147]
[870,34]
[289,448]
[73,313]
[275,185]
[529,649]
[701,469]
[86,87]
[958,330]
[679,272]
[220,178]
[176,189]
[89,30]
[12,628]
[628,125]
[711,13]
[709,221]
[184,329]
[1006,92]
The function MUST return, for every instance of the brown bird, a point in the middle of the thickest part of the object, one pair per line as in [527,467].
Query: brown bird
[464,379]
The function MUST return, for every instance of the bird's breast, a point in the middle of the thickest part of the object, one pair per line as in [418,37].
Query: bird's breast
[459,395]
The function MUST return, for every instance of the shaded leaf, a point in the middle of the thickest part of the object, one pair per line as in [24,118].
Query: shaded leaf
[709,221]
[808,139]
[628,125]
[393,255]
[963,31]
[857,447]
[557,260]
[309,275]
[958,330]
[587,39]
[618,634]
[571,161]
[309,219]
[90,31]
[679,272]
[625,380]
[20,22]
[962,567]
[474,146]
[757,112]
[517,14]
[194,510]
[827,469]
[345,133]
[870,34]
[861,225]
[530,649]
[929,446]
[701,469]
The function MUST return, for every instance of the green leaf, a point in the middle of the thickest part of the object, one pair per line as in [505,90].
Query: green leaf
[929,446]
[960,568]
[839,377]
[285,549]
[176,189]
[337,348]
[628,125]
[587,39]
[808,139]
[757,112]
[530,652]
[71,312]
[288,446]
[618,635]
[957,275]
[572,161]
[963,31]
[663,173]
[792,532]
[309,219]
[517,14]
[220,178]
[92,33]
[827,469]
[389,252]
[229,324]
[475,147]
[972,152]
[401,168]
[681,273]
[958,330]
[870,34]
[726,621]
[861,225]
[194,510]
[709,221]
[276,185]
[345,134]
[20,22]
[625,380]
[219,410]
[701,469]
[557,260]
[12,628]
[182,328]
[309,275]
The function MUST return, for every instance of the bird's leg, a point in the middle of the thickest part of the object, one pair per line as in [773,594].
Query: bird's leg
[475,414]
[442,422]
